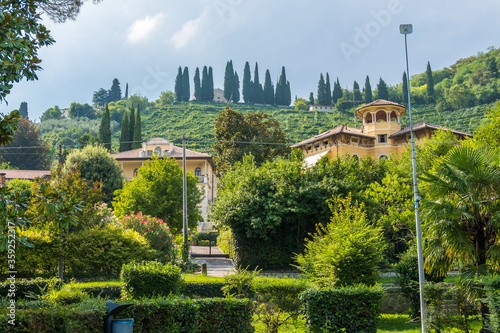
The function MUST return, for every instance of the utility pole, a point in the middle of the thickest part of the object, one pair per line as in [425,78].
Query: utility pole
[61,264]
[184,203]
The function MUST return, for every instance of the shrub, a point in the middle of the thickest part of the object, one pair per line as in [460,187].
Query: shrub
[104,251]
[155,231]
[42,258]
[150,279]
[347,251]
[26,288]
[211,289]
[239,284]
[224,315]
[492,286]
[407,279]
[348,309]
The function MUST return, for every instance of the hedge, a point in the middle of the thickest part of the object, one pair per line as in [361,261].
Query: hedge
[24,287]
[157,315]
[349,309]
[203,290]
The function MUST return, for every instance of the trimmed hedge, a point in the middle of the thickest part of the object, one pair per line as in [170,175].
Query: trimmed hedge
[224,315]
[203,290]
[150,279]
[24,287]
[353,309]
[156,315]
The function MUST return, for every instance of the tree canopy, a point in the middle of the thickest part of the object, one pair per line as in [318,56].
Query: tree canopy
[157,191]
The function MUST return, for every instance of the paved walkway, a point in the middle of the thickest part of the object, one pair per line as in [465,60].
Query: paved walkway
[215,266]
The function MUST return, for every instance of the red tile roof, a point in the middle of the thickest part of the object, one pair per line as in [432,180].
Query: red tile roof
[176,153]
[421,125]
[379,102]
[342,129]
[25,174]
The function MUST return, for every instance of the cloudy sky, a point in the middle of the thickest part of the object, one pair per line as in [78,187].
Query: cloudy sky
[142,43]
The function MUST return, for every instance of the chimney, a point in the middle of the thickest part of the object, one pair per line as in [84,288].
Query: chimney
[2,179]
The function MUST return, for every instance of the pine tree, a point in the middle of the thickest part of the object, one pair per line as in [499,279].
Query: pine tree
[368,90]
[124,136]
[23,110]
[204,84]
[210,91]
[383,93]
[197,84]
[405,88]
[236,88]
[105,129]
[268,89]
[311,98]
[358,99]
[328,90]
[186,91]
[131,128]
[337,91]
[430,83]
[247,84]
[321,90]
[229,81]
[137,130]
[126,91]
[258,93]
[178,85]
[115,93]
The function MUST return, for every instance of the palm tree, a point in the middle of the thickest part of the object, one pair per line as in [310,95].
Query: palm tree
[462,217]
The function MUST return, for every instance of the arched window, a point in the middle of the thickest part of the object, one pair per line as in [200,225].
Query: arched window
[394,116]
[383,157]
[197,172]
[355,156]
[158,151]
[381,116]
[368,118]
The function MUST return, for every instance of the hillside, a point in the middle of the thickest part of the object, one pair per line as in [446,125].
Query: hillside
[462,94]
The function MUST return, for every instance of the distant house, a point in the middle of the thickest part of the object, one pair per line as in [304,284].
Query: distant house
[323,108]
[200,164]
[379,136]
[6,175]
[219,96]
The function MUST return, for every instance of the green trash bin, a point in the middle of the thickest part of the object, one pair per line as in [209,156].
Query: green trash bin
[123,325]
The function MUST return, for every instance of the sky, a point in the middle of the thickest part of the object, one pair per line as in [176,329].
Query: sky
[143,43]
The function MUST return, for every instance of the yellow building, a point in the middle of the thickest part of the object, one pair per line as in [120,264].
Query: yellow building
[199,164]
[379,136]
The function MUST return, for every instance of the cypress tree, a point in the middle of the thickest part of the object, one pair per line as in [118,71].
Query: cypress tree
[204,84]
[368,90]
[430,83]
[124,136]
[197,84]
[131,128]
[186,91]
[23,110]
[383,93]
[105,129]
[405,88]
[268,89]
[210,91]
[337,91]
[236,88]
[137,130]
[258,93]
[229,81]
[126,91]
[283,91]
[311,98]
[357,98]
[178,85]
[321,90]
[328,90]
[247,84]
[115,93]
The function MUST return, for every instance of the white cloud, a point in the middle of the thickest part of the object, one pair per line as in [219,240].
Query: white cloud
[141,30]
[188,32]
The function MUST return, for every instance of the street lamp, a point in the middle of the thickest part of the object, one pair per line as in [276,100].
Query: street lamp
[407,29]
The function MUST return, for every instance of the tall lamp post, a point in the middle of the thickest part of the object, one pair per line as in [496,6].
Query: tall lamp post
[407,29]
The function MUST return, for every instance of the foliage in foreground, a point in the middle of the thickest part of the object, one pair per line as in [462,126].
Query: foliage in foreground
[347,251]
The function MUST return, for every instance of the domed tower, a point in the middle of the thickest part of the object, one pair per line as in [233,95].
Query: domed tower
[381,119]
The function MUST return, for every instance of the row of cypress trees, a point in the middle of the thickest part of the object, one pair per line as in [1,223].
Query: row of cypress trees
[131,134]
[203,87]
